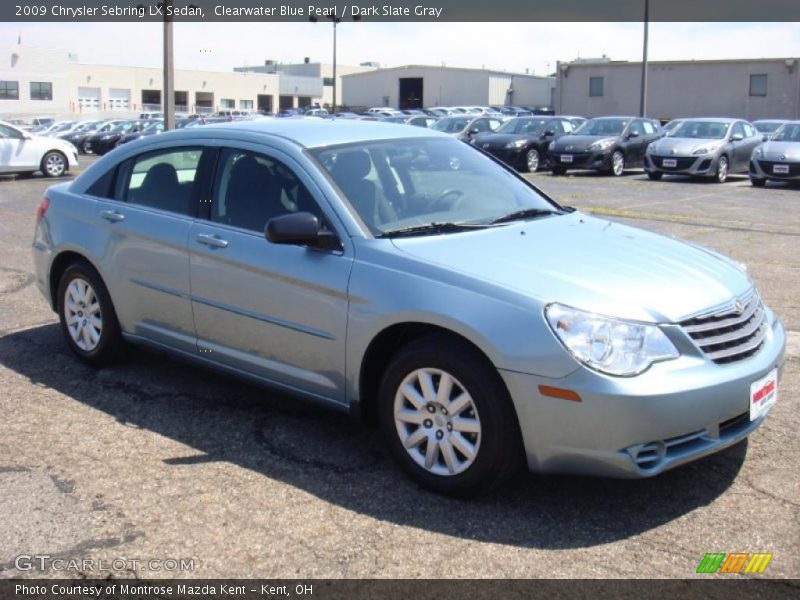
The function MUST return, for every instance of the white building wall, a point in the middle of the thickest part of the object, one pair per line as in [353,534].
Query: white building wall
[26,64]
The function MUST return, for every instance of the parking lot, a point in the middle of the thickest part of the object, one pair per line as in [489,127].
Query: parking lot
[155,460]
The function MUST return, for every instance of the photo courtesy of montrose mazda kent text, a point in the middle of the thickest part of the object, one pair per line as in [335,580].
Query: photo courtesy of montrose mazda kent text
[403,276]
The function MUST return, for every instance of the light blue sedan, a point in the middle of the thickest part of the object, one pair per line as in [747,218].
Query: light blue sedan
[419,284]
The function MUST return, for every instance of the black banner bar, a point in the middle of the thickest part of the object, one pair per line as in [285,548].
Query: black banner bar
[716,587]
[400,10]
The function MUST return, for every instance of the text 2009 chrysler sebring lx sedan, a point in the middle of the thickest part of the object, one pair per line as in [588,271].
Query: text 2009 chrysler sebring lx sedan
[415,281]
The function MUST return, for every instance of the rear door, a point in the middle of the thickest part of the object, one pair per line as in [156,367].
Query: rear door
[752,139]
[147,217]
[276,311]
[634,143]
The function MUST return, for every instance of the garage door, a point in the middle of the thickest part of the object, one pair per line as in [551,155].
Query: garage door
[119,100]
[88,99]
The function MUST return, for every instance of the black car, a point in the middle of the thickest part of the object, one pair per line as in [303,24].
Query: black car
[77,136]
[522,142]
[105,141]
[609,144]
[152,128]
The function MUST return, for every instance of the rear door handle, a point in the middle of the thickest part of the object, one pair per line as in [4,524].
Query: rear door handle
[211,240]
[112,216]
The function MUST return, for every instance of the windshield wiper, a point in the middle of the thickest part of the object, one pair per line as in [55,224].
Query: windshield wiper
[526,213]
[431,228]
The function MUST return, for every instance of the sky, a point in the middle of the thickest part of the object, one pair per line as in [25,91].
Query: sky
[504,46]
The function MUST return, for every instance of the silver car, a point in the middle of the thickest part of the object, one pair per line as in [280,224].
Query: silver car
[703,147]
[400,275]
[778,158]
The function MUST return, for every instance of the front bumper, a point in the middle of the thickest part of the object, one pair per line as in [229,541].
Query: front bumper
[514,157]
[702,166]
[675,412]
[596,161]
[765,169]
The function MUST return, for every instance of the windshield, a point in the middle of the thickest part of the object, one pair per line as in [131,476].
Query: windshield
[153,127]
[788,133]
[604,127]
[767,126]
[704,130]
[401,183]
[522,125]
[451,125]
[122,128]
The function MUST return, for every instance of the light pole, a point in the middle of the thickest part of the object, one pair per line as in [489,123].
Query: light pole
[643,96]
[335,20]
[169,72]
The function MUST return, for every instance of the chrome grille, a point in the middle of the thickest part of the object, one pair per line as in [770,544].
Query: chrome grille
[730,335]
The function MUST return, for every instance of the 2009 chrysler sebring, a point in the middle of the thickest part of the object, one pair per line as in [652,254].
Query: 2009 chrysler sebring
[414,281]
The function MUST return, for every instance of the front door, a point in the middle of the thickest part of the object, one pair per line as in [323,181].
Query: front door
[275,311]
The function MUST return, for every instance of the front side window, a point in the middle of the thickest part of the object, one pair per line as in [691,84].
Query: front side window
[251,188]
[9,90]
[738,129]
[595,86]
[401,183]
[636,127]
[758,85]
[41,90]
[164,180]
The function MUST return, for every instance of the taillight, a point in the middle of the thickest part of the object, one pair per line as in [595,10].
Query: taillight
[43,206]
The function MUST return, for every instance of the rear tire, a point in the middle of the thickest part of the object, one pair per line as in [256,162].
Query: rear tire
[88,319]
[447,417]
[655,175]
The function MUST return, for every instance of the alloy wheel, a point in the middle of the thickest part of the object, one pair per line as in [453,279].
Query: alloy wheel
[82,314]
[617,163]
[437,421]
[532,159]
[54,164]
[722,169]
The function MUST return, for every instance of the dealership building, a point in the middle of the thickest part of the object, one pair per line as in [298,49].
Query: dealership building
[743,88]
[53,82]
[416,86]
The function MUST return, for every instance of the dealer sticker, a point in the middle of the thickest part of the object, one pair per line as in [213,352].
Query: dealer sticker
[763,394]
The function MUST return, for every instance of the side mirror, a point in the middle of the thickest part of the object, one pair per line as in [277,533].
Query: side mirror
[473,131]
[301,228]
[26,136]
[765,137]
[549,133]
[737,137]
[633,134]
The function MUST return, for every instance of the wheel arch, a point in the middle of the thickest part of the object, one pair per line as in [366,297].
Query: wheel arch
[60,264]
[379,353]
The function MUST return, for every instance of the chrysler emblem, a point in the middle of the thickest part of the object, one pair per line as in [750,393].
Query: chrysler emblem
[738,306]
[486,145]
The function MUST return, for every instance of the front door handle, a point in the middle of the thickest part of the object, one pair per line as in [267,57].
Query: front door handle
[211,240]
[112,216]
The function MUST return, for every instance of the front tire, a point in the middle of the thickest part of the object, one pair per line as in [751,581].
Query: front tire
[88,320]
[54,164]
[447,417]
[655,175]
[721,174]
[532,160]
[558,170]
[617,163]
[755,182]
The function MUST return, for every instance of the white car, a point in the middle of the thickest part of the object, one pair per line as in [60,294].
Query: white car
[23,152]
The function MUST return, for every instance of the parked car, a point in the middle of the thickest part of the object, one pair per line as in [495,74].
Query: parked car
[439,111]
[522,142]
[421,121]
[609,144]
[105,141]
[25,153]
[482,324]
[768,126]
[704,148]
[345,115]
[399,119]
[778,158]
[465,126]
[150,115]
[42,121]
[317,112]
[59,128]
[152,128]
[78,139]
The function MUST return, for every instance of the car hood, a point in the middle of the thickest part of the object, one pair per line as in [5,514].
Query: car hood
[579,143]
[781,151]
[681,146]
[591,264]
[498,140]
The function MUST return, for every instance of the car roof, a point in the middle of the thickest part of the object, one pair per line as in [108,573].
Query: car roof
[713,119]
[315,133]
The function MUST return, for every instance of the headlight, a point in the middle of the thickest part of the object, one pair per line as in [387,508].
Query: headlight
[706,149]
[609,345]
[757,153]
[602,145]
[516,144]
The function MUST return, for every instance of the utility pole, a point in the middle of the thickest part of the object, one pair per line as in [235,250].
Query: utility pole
[335,20]
[643,97]
[168,99]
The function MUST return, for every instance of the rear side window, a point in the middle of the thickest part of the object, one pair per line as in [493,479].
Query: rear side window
[750,130]
[164,180]
[251,188]
[104,186]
